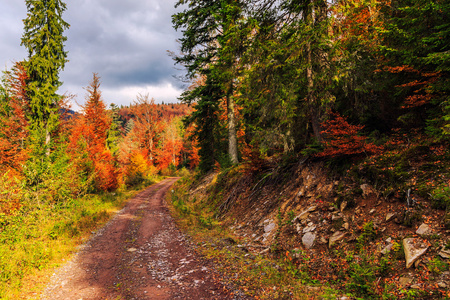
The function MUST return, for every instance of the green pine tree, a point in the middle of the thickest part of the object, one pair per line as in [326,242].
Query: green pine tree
[43,38]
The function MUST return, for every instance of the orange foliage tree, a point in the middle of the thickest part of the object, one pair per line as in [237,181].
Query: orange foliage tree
[13,121]
[89,136]
[171,146]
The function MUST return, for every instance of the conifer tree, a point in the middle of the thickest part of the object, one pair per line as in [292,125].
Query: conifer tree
[210,31]
[43,38]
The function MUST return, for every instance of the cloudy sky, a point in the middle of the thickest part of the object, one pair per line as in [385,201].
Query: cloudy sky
[125,42]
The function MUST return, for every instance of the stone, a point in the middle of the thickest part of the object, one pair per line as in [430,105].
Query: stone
[346,226]
[444,253]
[312,208]
[336,217]
[366,189]
[302,216]
[373,210]
[336,237]
[309,229]
[386,249]
[343,205]
[406,280]
[442,285]
[268,228]
[308,240]
[414,249]
[389,216]
[424,229]
[132,250]
[323,240]
[416,264]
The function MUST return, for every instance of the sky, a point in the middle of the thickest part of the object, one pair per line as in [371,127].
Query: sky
[124,42]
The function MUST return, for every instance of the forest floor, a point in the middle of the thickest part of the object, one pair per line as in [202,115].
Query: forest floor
[140,254]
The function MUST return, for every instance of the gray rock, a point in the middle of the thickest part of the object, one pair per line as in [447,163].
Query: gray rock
[309,229]
[308,240]
[414,249]
[386,249]
[424,229]
[442,285]
[336,237]
[268,228]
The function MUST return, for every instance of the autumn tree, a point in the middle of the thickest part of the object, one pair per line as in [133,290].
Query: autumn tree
[170,145]
[89,136]
[147,125]
[343,139]
[13,120]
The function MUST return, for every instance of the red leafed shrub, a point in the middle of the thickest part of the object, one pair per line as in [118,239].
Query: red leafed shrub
[342,139]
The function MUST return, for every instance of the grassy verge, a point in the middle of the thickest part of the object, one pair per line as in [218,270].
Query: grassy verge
[257,275]
[40,236]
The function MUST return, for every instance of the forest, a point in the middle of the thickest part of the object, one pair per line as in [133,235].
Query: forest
[332,78]
[358,86]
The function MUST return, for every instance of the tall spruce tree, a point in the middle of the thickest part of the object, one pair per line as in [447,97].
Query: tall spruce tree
[43,38]
[210,49]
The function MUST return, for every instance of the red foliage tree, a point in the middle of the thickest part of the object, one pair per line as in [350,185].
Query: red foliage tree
[343,139]
[13,121]
[89,135]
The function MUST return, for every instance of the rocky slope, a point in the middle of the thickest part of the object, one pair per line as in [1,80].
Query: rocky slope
[342,232]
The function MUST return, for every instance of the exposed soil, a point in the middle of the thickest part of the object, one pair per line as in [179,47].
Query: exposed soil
[140,254]
[300,212]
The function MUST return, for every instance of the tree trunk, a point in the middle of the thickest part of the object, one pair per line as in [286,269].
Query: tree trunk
[312,101]
[232,138]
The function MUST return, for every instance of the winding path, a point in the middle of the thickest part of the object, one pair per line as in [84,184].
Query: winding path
[140,254]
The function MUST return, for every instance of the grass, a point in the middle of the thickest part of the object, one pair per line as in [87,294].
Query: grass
[41,236]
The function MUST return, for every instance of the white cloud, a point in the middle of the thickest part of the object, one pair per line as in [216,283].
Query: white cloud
[125,42]
[165,92]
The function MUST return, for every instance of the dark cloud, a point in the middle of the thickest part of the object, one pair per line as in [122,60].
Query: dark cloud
[125,42]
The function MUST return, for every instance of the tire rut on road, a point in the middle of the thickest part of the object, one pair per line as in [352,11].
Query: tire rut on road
[139,254]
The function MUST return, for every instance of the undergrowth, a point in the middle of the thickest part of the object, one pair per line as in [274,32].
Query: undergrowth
[259,276]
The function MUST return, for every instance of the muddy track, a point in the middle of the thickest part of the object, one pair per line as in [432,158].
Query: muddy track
[140,254]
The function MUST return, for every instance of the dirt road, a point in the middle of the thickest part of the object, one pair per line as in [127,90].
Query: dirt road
[140,254]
